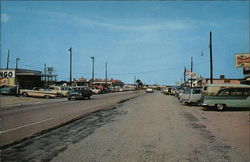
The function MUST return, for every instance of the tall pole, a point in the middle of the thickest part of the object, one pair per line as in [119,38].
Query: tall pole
[191,71]
[106,73]
[8,59]
[184,76]
[93,69]
[17,59]
[70,66]
[134,80]
[211,59]
[45,77]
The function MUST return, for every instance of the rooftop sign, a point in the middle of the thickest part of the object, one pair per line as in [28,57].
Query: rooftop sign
[242,60]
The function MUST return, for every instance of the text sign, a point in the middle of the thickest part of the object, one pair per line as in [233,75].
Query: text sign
[242,60]
[7,73]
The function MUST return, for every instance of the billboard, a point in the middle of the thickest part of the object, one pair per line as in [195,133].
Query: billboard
[242,60]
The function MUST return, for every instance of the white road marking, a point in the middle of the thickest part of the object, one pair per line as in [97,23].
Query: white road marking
[1,132]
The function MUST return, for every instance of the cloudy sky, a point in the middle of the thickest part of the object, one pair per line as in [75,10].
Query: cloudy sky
[152,40]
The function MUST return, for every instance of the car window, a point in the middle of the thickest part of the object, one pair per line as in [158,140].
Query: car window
[246,92]
[187,91]
[225,93]
[236,92]
[205,88]
[196,91]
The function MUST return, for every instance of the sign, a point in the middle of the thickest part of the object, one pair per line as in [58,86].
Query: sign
[242,60]
[7,73]
[188,72]
[3,81]
[193,75]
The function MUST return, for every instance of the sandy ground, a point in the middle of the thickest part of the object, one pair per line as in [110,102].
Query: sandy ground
[152,127]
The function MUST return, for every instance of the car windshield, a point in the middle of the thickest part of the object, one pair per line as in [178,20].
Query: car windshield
[187,91]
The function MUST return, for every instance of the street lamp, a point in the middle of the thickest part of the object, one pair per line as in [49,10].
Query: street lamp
[17,59]
[93,68]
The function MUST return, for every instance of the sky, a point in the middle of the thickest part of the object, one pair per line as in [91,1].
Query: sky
[152,40]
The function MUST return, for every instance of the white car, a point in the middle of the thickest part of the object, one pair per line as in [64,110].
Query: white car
[149,90]
[95,90]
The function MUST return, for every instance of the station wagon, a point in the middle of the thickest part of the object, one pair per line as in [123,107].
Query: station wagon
[229,97]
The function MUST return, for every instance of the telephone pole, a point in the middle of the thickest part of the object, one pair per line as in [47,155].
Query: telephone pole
[93,68]
[106,73]
[184,75]
[191,71]
[45,77]
[8,59]
[211,59]
[17,59]
[70,66]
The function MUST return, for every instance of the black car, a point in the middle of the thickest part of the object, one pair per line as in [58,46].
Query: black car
[79,93]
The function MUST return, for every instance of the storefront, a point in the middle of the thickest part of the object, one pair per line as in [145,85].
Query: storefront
[24,78]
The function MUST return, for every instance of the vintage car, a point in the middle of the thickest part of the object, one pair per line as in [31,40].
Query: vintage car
[96,90]
[212,89]
[79,93]
[39,92]
[229,97]
[185,95]
[8,90]
[149,90]
[59,89]
[195,96]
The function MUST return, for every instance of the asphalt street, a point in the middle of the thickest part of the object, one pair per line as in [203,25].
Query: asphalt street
[26,120]
[151,127]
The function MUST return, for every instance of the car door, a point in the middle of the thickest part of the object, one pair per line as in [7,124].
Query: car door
[195,95]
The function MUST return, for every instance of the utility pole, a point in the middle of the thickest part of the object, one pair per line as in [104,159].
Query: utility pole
[8,59]
[45,77]
[191,71]
[106,73]
[211,59]
[17,59]
[184,76]
[70,66]
[93,69]
[134,79]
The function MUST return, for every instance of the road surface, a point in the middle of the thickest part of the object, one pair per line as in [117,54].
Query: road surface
[151,127]
[23,121]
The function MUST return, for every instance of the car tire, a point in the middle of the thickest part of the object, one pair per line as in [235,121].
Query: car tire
[25,94]
[69,99]
[199,103]
[220,107]
[46,96]
[88,97]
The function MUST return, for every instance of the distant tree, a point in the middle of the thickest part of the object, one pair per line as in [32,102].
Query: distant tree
[139,83]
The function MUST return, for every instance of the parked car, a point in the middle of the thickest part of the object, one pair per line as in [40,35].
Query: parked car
[79,93]
[39,92]
[229,97]
[184,96]
[8,90]
[195,96]
[95,90]
[212,89]
[149,90]
[59,89]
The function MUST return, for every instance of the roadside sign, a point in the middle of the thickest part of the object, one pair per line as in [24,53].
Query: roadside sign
[193,75]
[188,72]
[242,60]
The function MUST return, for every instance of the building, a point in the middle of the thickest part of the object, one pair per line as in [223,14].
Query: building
[203,81]
[25,78]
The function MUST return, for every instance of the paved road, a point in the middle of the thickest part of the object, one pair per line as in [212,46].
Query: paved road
[23,121]
[151,127]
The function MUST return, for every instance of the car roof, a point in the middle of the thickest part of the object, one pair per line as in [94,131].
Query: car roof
[228,84]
